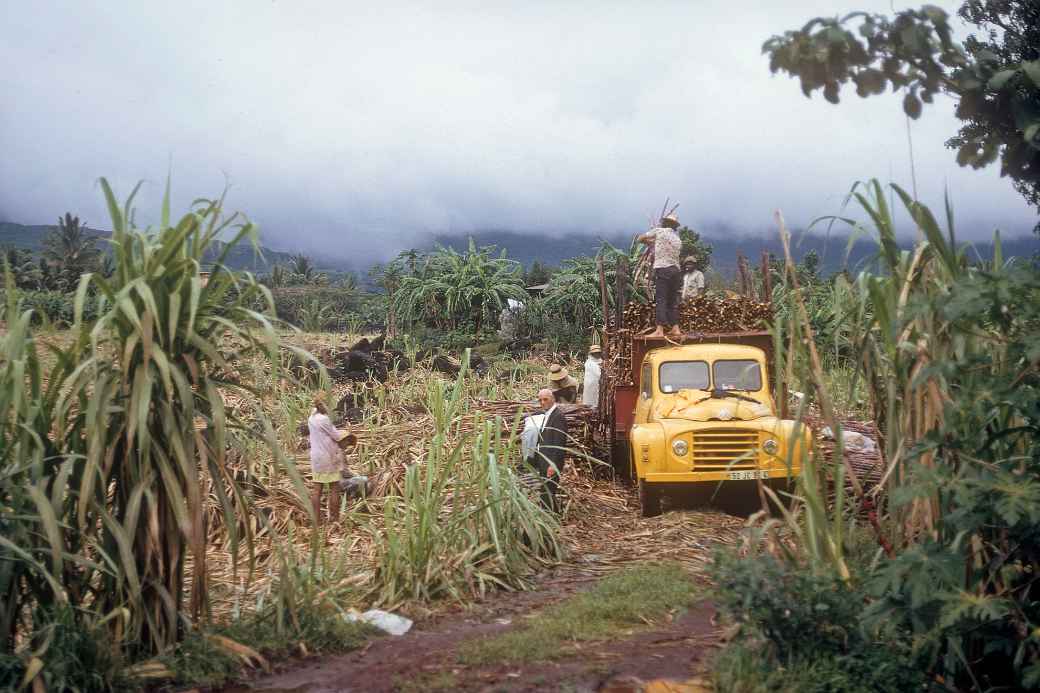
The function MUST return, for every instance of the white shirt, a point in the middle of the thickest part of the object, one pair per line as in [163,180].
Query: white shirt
[547,415]
[590,391]
[326,455]
[667,246]
[692,284]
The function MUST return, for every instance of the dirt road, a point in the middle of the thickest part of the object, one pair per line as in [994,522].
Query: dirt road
[603,532]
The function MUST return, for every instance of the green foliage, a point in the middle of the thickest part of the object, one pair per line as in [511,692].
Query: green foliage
[946,349]
[966,590]
[811,624]
[157,355]
[538,273]
[995,78]
[75,657]
[696,247]
[449,289]
[316,308]
[572,306]
[626,599]
[27,273]
[463,520]
[37,575]
[71,251]
[301,608]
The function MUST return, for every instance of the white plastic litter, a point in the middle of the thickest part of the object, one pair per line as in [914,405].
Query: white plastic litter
[529,436]
[383,620]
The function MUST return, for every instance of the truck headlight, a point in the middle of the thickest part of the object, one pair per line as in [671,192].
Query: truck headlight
[680,448]
[771,447]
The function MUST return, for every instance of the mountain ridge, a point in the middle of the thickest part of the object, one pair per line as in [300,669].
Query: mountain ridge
[835,251]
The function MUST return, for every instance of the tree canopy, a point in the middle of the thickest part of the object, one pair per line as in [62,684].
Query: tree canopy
[994,75]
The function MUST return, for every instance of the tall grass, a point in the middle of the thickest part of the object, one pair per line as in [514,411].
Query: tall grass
[463,523]
[945,348]
[106,454]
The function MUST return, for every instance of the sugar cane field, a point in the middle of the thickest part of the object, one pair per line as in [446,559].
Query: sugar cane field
[461,418]
[159,533]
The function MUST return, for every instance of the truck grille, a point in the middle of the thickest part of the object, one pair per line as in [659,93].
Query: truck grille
[717,449]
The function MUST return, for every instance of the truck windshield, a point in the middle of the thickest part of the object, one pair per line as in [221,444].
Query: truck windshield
[683,375]
[738,375]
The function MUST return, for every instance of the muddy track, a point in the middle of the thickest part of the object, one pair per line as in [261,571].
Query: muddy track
[601,538]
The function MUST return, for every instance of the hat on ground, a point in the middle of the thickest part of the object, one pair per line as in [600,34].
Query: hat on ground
[595,349]
[558,373]
[670,221]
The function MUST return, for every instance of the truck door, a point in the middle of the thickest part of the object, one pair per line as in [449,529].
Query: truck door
[646,383]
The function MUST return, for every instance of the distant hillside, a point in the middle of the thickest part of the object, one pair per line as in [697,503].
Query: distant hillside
[242,257]
[526,248]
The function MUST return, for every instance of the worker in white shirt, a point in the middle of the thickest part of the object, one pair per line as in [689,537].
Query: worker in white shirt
[590,381]
[692,279]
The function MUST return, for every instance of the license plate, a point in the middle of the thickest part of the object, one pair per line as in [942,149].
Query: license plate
[749,474]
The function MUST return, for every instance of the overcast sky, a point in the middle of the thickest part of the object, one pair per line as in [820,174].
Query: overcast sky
[356,128]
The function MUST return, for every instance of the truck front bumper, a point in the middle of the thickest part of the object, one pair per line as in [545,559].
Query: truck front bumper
[716,476]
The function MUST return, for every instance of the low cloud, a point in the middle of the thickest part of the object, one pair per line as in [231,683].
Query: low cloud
[351,130]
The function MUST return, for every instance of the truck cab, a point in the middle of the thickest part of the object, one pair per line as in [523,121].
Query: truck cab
[704,415]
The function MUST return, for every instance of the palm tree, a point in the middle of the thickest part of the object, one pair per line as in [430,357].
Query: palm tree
[349,281]
[278,277]
[410,257]
[302,266]
[71,250]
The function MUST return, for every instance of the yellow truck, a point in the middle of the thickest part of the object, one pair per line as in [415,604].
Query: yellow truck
[703,415]
[702,409]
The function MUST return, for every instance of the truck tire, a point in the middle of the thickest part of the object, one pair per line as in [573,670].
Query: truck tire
[621,460]
[649,499]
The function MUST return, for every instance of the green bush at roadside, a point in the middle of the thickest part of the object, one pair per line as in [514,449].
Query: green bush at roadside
[803,631]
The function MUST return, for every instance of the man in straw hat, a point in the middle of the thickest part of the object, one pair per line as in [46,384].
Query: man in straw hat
[667,277]
[692,279]
[563,386]
[593,370]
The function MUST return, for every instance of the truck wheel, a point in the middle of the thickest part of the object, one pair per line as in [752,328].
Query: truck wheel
[649,499]
[620,460]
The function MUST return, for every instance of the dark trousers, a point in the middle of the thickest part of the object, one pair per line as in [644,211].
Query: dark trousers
[550,484]
[667,288]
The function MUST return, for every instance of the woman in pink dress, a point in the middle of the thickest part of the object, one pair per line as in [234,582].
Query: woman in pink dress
[326,459]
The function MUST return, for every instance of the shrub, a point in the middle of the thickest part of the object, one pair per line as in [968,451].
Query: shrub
[316,308]
[74,656]
[811,624]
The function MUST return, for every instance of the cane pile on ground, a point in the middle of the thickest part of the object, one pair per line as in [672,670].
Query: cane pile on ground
[581,419]
[707,312]
[371,359]
[866,462]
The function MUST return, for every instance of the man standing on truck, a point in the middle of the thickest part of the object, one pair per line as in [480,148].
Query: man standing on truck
[667,277]
[548,455]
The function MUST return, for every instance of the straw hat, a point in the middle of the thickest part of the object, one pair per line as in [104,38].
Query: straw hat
[558,373]
[689,262]
[560,378]
[595,349]
[670,221]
